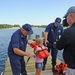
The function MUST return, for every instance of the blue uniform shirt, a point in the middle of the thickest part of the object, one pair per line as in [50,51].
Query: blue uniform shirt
[53,32]
[17,41]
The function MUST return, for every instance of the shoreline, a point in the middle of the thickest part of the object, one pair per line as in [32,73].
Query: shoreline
[10,28]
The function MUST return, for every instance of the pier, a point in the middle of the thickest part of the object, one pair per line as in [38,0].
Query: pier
[30,66]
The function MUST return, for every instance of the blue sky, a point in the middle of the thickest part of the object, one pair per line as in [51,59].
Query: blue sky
[35,12]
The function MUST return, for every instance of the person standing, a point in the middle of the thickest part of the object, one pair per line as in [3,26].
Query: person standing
[67,42]
[17,49]
[52,34]
[38,61]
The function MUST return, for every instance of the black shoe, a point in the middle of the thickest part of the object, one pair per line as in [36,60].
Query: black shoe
[53,69]
[43,68]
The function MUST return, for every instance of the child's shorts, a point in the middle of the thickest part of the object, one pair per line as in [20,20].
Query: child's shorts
[39,65]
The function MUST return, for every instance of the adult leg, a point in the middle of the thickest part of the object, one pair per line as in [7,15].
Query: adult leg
[15,66]
[23,67]
[54,52]
[45,60]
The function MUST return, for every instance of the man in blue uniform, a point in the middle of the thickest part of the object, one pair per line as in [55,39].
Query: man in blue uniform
[52,34]
[17,48]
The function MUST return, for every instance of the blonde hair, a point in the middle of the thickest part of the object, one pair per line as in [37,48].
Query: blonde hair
[39,40]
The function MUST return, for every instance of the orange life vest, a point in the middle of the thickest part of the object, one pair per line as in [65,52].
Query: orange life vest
[61,68]
[42,53]
[33,45]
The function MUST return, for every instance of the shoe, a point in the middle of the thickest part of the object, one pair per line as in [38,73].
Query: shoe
[53,69]
[43,68]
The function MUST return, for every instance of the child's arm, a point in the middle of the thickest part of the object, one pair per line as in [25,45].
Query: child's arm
[29,42]
[44,47]
[37,49]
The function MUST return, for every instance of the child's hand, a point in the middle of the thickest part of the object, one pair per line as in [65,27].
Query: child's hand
[29,42]
[46,47]
[38,48]
[32,55]
[49,53]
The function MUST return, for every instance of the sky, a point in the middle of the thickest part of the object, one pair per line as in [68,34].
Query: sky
[34,12]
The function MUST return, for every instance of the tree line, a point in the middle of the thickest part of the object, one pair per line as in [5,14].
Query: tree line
[16,25]
[8,26]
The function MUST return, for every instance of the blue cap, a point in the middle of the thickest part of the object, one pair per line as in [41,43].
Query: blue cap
[58,21]
[28,28]
[70,10]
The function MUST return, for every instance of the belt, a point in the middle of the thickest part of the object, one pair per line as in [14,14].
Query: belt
[71,66]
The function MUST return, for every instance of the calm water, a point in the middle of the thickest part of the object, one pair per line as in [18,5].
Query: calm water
[5,35]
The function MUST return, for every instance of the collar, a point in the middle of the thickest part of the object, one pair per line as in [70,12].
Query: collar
[22,36]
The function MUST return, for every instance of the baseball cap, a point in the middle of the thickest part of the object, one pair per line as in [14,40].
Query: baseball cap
[28,28]
[70,10]
[58,21]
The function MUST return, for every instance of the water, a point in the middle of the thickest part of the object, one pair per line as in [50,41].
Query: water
[5,35]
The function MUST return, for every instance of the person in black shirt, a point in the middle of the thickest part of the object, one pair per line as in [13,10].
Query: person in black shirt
[67,42]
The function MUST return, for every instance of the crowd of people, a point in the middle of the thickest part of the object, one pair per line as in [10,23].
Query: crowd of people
[55,38]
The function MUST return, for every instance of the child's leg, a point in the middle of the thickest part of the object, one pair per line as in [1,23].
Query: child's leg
[39,71]
[38,68]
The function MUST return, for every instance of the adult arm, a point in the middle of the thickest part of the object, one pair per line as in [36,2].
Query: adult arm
[46,33]
[46,36]
[63,41]
[22,53]
[16,46]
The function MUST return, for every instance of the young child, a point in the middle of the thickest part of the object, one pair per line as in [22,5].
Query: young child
[38,61]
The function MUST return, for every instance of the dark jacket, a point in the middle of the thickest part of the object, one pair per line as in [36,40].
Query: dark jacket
[67,42]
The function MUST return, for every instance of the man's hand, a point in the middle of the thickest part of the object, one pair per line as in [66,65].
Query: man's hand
[46,41]
[31,55]
[54,43]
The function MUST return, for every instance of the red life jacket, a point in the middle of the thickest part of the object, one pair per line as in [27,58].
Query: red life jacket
[42,53]
[33,45]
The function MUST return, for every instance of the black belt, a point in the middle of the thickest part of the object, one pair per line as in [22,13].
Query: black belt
[71,66]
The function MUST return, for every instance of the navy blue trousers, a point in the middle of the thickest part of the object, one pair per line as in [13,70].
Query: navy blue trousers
[53,53]
[18,66]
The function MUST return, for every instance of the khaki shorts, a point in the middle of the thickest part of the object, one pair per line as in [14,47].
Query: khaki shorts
[70,71]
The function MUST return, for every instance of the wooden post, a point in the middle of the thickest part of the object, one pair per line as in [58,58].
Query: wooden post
[42,34]
[29,37]
[37,36]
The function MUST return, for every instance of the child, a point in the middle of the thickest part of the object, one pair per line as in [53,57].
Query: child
[38,61]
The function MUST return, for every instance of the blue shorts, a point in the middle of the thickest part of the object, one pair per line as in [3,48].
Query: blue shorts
[39,65]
